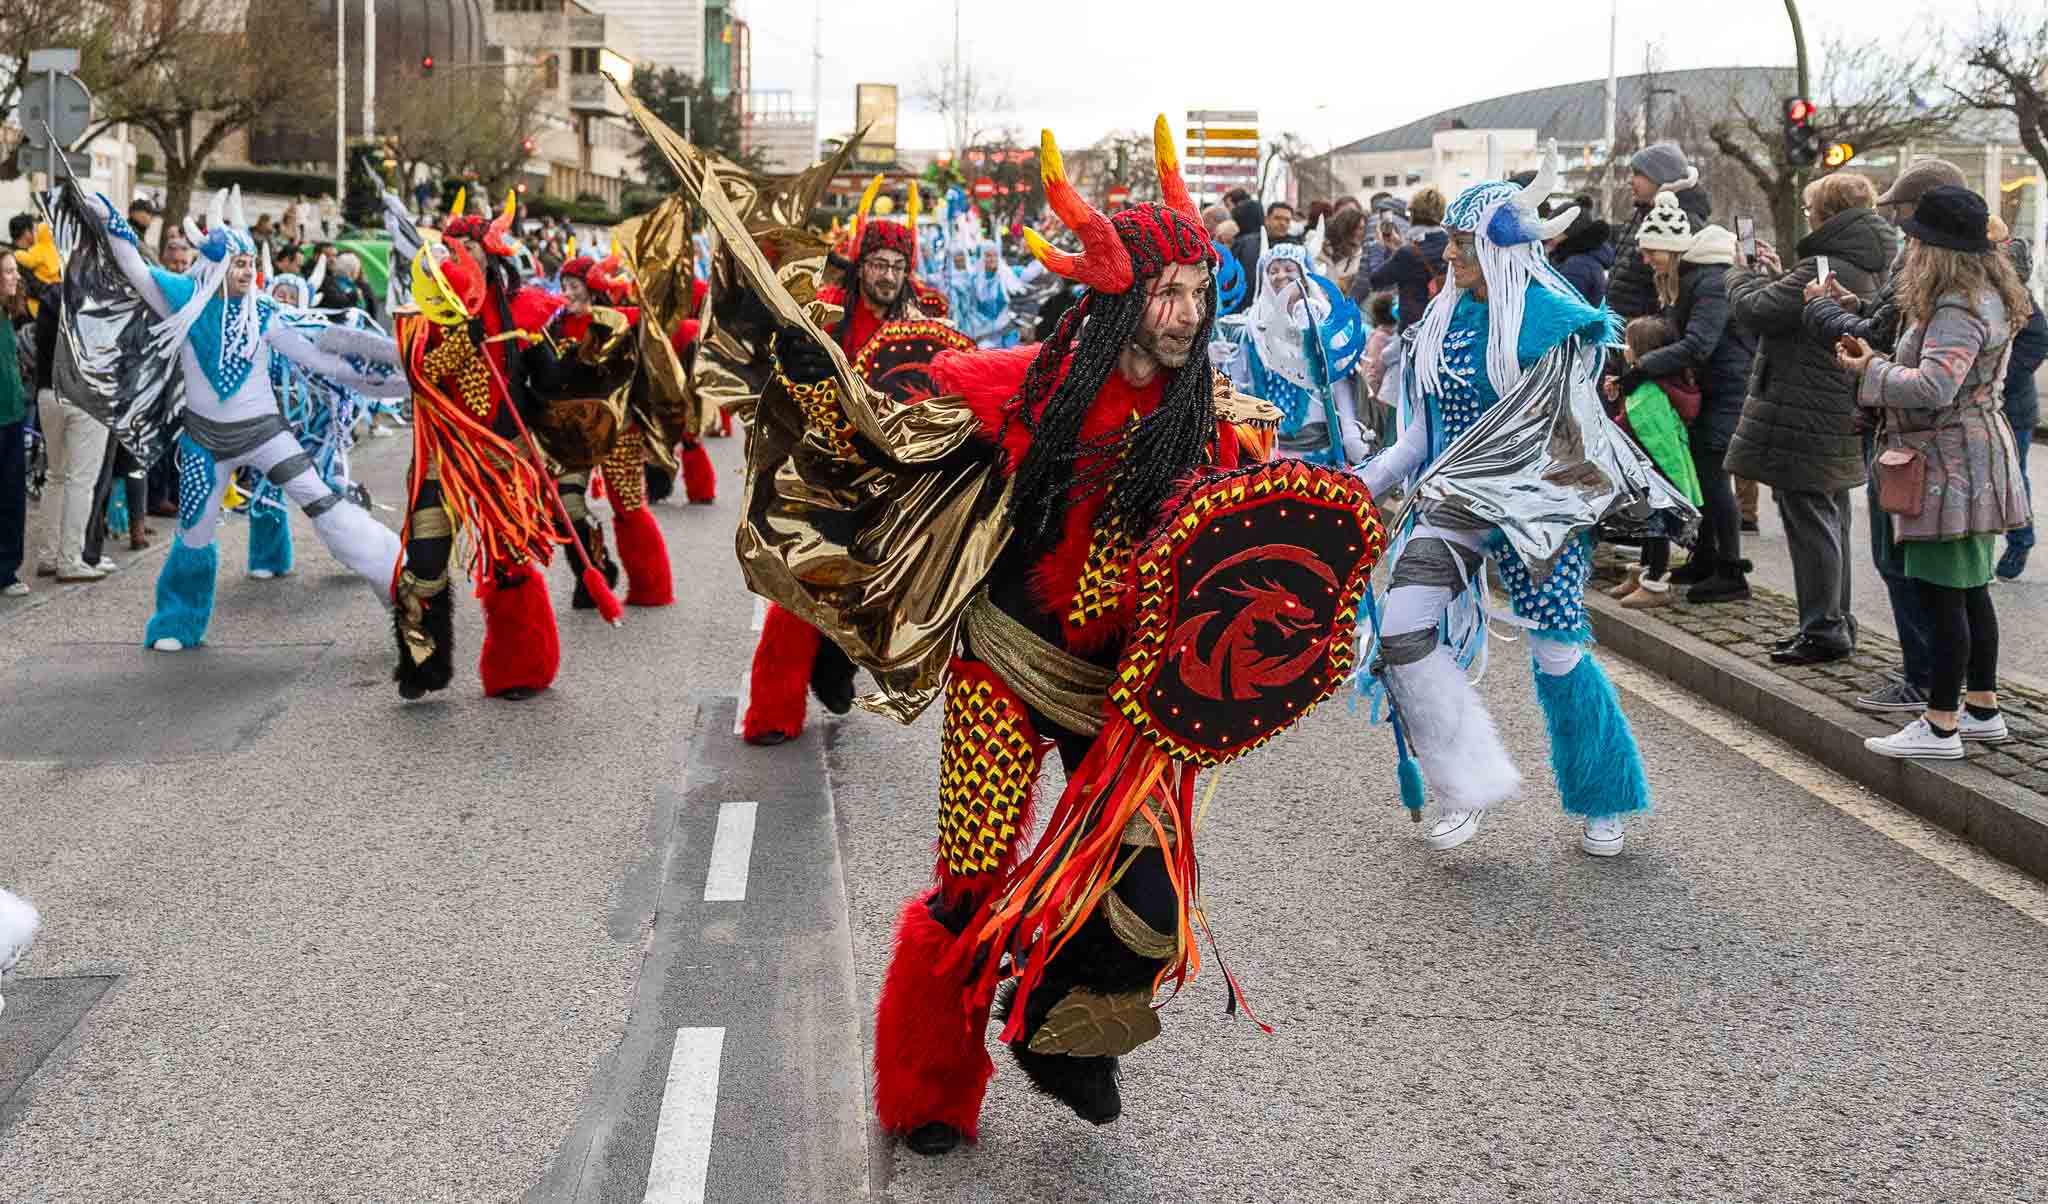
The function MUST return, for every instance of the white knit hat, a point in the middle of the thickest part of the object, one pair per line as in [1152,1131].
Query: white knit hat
[1665,227]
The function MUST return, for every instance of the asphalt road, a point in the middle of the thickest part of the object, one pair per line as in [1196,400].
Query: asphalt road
[587,948]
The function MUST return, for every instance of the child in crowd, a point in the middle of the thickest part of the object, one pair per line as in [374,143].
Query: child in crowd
[1379,311]
[1655,414]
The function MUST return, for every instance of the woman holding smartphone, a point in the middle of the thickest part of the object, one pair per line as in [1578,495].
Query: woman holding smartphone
[1949,474]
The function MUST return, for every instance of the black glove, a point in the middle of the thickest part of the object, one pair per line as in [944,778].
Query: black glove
[799,356]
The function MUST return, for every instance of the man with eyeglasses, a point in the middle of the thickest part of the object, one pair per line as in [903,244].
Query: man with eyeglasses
[887,333]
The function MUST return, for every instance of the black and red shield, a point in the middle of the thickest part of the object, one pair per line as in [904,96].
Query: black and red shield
[1247,605]
[897,358]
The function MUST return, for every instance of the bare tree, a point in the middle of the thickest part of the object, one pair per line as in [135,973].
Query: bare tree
[1871,95]
[221,66]
[975,105]
[111,46]
[454,123]
[2005,61]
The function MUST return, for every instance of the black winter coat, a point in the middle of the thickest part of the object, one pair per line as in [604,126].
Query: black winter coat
[1409,272]
[1632,285]
[2022,395]
[1799,425]
[1715,350]
[1250,217]
[1876,323]
[1584,258]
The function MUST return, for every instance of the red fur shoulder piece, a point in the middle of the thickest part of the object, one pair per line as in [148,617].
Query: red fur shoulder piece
[832,294]
[988,382]
[532,308]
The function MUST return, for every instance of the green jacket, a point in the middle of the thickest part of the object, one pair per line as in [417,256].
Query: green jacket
[13,396]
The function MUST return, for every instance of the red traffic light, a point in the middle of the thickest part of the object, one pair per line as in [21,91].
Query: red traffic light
[526,146]
[1799,110]
[426,62]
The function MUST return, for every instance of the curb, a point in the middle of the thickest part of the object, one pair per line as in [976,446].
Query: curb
[2005,819]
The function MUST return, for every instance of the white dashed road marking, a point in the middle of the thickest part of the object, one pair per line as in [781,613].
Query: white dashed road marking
[689,1104]
[732,847]
[1952,853]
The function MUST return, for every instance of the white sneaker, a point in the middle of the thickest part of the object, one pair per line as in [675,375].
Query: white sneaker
[1990,731]
[381,432]
[108,564]
[1917,740]
[16,589]
[18,923]
[1603,836]
[261,574]
[169,644]
[1452,829]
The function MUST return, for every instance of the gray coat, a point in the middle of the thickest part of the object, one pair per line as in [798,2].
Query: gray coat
[1799,423]
[1944,396]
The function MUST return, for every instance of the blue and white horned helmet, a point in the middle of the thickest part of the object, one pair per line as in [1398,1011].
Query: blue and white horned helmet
[227,231]
[226,236]
[1507,238]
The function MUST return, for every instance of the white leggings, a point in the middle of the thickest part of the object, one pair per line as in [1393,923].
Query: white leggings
[1413,607]
[366,546]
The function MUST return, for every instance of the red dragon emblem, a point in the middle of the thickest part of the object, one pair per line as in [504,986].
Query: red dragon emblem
[1247,605]
[1236,666]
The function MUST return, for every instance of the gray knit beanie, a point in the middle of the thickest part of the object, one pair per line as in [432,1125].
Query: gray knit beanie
[1663,163]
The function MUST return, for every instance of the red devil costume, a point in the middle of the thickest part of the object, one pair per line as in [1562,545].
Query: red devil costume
[476,468]
[641,548]
[1054,540]
[889,347]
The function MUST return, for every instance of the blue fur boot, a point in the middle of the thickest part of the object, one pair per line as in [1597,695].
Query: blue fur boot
[184,595]
[270,539]
[1592,751]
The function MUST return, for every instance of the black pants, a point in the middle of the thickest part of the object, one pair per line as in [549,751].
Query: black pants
[1965,641]
[13,498]
[1656,557]
[117,470]
[1720,519]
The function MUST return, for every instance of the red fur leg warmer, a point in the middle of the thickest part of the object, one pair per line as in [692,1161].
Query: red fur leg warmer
[700,479]
[521,647]
[644,553]
[781,678]
[931,1062]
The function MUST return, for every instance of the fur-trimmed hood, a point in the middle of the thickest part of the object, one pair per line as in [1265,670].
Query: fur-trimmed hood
[1587,236]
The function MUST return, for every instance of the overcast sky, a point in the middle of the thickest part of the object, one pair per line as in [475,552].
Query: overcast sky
[1086,68]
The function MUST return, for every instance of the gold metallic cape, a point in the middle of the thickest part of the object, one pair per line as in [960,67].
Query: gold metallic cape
[882,556]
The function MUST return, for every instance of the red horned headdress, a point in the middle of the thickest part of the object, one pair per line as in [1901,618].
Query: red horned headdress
[1138,241]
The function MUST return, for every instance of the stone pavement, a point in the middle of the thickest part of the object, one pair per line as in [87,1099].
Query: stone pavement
[1819,715]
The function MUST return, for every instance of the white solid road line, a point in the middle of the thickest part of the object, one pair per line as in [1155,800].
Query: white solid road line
[689,1105]
[732,847]
[1952,853]
[739,715]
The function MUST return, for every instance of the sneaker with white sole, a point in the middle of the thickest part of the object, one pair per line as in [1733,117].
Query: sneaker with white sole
[1452,829]
[15,589]
[1897,696]
[261,575]
[169,644]
[1603,836]
[1990,731]
[1918,741]
[18,923]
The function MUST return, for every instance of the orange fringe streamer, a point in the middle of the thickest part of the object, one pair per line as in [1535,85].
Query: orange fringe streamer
[494,491]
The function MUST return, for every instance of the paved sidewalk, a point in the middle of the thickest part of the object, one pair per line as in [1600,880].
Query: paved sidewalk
[1997,796]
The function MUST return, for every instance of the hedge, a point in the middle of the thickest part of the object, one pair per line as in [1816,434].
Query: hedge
[276,181]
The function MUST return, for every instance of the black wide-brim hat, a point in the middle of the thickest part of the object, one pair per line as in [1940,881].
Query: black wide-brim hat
[1951,216]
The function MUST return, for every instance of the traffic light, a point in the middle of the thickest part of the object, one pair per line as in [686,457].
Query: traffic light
[526,146]
[1838,154]
[1802,141]
[426,64]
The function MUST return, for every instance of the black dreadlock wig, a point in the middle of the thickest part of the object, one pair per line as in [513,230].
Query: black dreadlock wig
[1140,464]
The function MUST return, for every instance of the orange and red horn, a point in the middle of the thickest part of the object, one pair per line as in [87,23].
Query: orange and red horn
[1103,264]
[496,235]
[1172,189]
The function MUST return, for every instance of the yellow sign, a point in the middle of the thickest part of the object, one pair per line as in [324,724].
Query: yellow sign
[874,106]
[1214,134]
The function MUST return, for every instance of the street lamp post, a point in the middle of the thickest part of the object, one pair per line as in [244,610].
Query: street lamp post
[340,100]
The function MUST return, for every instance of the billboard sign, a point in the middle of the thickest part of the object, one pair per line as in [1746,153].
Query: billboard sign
[874,106]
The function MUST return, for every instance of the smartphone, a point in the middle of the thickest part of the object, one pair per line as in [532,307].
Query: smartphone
[1745,235]
[1820,269]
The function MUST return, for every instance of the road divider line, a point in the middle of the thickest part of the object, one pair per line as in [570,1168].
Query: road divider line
[1952,853]
[732,847]
[739,713]
[689,1107]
